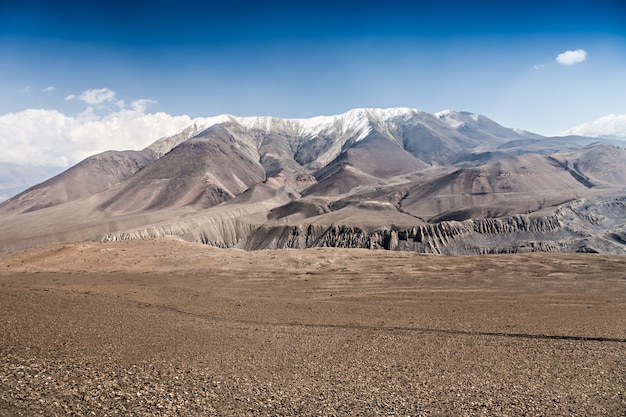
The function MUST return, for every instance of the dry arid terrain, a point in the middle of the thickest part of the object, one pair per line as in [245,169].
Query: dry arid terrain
[164,327]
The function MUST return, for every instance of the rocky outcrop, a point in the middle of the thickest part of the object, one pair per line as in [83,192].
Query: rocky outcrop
[221,233]
[439,238]
[222,228]
[596,225]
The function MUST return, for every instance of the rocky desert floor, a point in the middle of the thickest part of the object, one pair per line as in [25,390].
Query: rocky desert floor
[162,327]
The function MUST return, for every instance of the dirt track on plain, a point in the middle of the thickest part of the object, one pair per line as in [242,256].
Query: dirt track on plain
[162,327]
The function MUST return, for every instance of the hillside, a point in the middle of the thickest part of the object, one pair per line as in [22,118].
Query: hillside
[397,179]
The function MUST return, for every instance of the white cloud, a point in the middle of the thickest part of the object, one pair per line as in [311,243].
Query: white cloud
[572,57]
[139,105]
[97,96]
[609,126]
[94,96]
[50,138]
[49,89]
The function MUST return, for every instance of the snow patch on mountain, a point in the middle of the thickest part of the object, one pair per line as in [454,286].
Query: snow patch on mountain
[457,120]
[448,117]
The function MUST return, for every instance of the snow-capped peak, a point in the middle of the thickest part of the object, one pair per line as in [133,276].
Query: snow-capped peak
[352,126]
[357,122]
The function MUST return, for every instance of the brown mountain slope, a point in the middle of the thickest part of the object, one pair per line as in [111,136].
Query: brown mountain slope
[201,172]
[91,176]
[374,158]
[599,164]
[515,185]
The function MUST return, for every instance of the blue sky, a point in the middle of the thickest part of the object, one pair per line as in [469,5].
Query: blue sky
[167,61]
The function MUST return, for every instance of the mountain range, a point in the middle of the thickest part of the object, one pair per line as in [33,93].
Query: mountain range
[398,179]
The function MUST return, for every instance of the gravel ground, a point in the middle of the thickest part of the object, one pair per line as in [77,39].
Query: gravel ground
[345,380]
[307,333]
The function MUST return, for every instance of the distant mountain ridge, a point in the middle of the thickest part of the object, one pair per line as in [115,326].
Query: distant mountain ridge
[15,178]
[224,180]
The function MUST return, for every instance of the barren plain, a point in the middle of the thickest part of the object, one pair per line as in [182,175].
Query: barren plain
[164,327]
